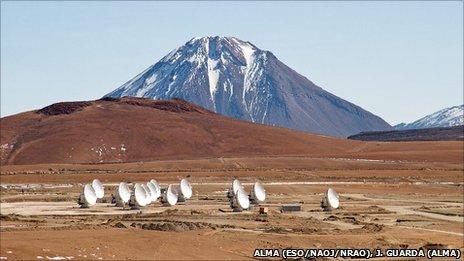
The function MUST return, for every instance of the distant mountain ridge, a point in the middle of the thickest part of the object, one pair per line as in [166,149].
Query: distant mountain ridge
[429,134]
[448,117]
[235,78]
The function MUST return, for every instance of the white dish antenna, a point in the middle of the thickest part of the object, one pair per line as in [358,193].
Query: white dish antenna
[124,192]
[88,197]
[258,194]
[98,187]
[185,189]
[236,185]
[157,186]
[148,194]
[139,197]
[122,196]
[331,200]
[170,196]
[243,202]
[154,182]
[154,191]
[232,192]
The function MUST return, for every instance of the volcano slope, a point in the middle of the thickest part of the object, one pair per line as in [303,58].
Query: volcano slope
[137,129]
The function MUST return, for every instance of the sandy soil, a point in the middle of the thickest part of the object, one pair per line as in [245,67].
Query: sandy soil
[384,204]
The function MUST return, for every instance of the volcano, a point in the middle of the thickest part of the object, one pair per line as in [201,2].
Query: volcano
[237,79]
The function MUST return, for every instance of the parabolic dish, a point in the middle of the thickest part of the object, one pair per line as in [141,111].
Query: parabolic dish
[333,198]
[98,187]
[148,193]
[140,195]
[124,192]
[152,190]
[259,191]
[171,195]
[242,199]
[155,191]
[158,187]
[90,195]
[236,185]
[186,189]
[154,182]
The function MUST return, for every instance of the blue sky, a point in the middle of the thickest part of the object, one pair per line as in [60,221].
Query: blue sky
[399,60]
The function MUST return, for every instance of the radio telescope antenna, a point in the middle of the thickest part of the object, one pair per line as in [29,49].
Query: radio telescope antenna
[154,191]
[236,185]
[138,198]
[88,197]
[258,193]
[156,184]
[185,190]
[99,189]
[123,194]
[147,193]
[331,200]
[240,201]
[170,196]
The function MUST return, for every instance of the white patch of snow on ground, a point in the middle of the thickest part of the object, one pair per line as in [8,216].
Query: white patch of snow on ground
[213,76]
[248,52]
[147,85]
[33,186]
[196,59]
[151,79]
[56,258]
[250,71]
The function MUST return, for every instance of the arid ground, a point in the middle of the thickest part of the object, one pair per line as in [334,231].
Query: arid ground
[415,203]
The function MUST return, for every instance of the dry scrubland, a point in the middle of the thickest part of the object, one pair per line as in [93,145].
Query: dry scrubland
[393,194]
[409,195]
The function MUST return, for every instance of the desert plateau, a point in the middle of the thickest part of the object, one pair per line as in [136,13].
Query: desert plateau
[400,195]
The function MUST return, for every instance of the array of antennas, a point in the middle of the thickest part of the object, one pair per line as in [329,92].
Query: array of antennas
[238,198]
[144,194]
[140,196]
[91,194]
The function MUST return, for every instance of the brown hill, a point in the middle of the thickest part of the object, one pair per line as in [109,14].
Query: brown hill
[135,129]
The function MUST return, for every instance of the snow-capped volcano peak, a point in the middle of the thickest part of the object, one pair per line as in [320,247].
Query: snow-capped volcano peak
[223,63]
[236,78]
[215,48]
[216,54]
